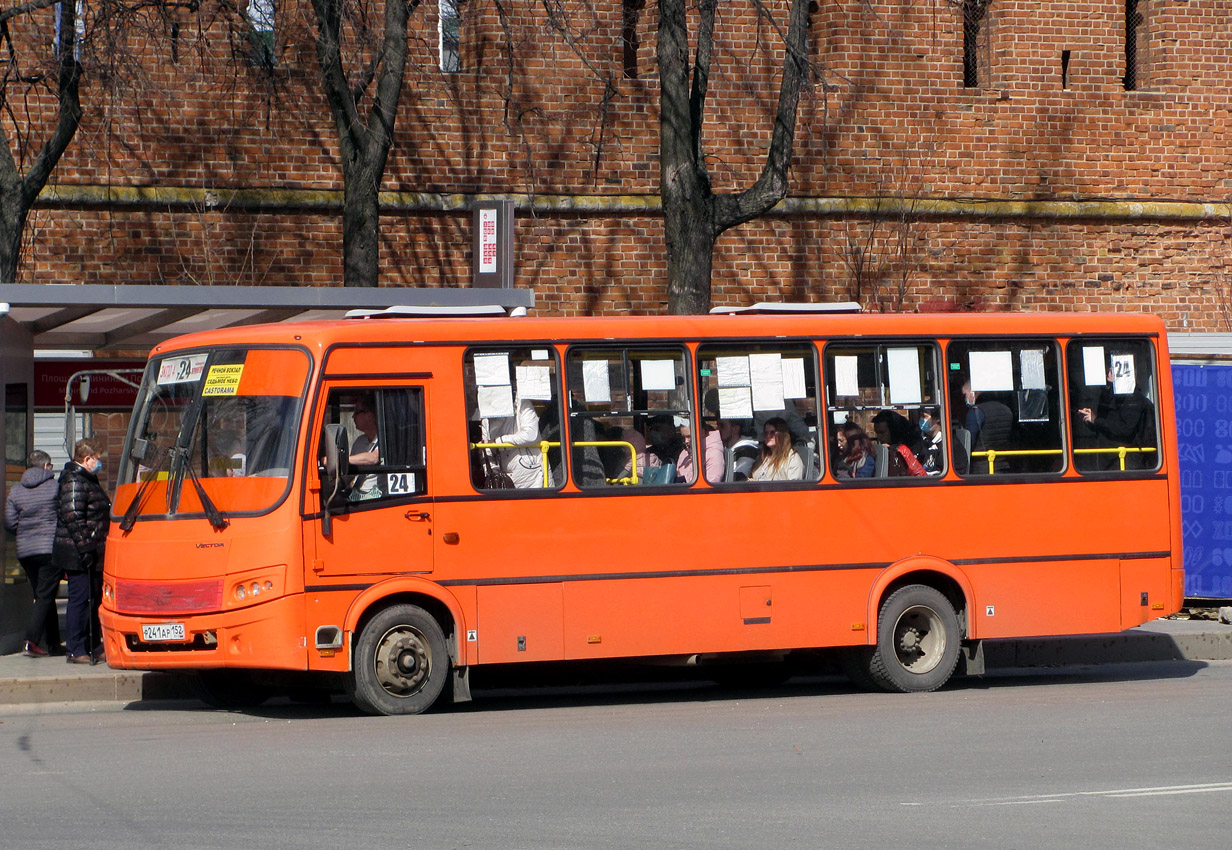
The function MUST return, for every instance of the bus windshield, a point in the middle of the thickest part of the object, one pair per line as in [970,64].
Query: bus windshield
[224,421]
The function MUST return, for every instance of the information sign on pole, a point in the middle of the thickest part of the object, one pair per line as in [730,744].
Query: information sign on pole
[492,263]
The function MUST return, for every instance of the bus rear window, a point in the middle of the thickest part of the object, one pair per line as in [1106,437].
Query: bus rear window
[1113,401]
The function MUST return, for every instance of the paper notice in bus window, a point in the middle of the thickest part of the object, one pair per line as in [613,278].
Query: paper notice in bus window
[733,371]
[534,383]
[1031,368]
[495,401]
[540,354]
[766,373]
[735,403]
[904,366]
[1093,372]
[1123,379]
[597,389]
[179,370]
[659,375]
[846,375]
[794,385]
[991,371]
[492,370]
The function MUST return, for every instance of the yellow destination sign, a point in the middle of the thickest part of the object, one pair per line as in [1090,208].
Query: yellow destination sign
[223,380]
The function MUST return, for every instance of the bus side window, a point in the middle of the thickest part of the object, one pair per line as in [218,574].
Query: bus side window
[883,411]
[385,435]
[630,417]
[513,418]
[1112,405]
[743,389]
[1006,405]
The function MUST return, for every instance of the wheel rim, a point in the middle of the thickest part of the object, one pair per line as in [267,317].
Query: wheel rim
[402,661]
[919,639]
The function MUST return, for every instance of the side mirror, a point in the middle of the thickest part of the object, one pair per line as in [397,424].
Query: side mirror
[337,451]
[335,463]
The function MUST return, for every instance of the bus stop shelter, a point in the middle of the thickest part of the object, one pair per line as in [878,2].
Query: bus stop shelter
[129,321]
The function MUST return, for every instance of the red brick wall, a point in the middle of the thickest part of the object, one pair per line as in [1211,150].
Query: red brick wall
[886,117]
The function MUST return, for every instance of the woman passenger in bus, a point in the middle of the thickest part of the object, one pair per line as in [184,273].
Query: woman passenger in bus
[523,462]
[855,453]
[779,461]
[894,431]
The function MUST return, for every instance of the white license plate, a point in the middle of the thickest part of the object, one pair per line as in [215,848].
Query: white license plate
[156,632]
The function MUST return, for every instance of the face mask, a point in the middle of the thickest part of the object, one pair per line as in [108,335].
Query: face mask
[926,428]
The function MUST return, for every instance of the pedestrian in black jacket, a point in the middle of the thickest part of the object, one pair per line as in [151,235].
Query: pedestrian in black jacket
[84,512]
[30,513]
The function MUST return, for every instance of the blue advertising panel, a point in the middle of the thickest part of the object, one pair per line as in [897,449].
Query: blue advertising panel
[1204,438]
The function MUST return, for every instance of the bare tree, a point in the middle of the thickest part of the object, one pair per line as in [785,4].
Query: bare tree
[364,106]
[25,162]
[694,215]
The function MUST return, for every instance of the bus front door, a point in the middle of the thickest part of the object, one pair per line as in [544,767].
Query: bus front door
[380,512]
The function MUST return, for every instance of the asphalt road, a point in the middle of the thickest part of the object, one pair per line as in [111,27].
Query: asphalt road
[1123,756]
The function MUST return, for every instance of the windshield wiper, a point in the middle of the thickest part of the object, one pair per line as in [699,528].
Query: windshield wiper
[216,517]
[134,507]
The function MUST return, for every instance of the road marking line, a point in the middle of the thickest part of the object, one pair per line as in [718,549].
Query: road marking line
[1113,793]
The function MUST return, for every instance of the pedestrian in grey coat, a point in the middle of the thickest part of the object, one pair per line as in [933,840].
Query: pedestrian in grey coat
[30,512]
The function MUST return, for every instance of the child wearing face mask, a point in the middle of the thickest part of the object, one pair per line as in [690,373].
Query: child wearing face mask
[931,450]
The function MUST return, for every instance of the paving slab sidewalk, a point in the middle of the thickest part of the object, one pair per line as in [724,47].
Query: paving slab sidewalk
[50,680]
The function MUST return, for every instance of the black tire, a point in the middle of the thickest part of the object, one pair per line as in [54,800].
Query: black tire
[230,688]
[917,641]
[401,664]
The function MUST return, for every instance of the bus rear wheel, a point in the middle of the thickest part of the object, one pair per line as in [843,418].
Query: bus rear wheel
[917,641]
[401,663]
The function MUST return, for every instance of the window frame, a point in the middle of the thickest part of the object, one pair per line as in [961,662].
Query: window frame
[820,455]
[1059,387]
[686,374]
[422,491]
[932,345]
[556,363]
[1106,341]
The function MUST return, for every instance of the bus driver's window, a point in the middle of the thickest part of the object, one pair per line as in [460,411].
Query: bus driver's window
[386,455]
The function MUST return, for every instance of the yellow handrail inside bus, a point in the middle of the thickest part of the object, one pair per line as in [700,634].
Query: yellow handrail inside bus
[632,477]
[1120,450]
[544,445]
[993,454]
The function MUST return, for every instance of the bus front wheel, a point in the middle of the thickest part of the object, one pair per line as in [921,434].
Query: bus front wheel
[401,663]
[917,641]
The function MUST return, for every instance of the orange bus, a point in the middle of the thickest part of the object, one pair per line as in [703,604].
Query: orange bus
[389,502]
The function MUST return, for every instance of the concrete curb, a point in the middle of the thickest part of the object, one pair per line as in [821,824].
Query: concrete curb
[25,681]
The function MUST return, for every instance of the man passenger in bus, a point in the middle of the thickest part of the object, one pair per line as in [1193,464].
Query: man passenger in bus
[745,451]
[990,422]
[931,450]
[523,462]
[855,453]
[779,461]
[894,431]
[1121,420]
